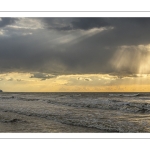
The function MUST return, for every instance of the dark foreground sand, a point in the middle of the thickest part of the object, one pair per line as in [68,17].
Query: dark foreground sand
[17,123]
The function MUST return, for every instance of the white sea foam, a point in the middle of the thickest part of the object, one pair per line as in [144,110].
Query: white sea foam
[112,114]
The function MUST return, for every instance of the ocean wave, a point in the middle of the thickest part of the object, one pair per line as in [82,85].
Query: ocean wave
[27,99]
[126,95]
[126,106]
[112,114]
[98,121]
[15,120]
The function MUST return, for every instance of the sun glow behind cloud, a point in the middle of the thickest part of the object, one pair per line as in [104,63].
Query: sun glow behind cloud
[74,54]
[132,59]
[26,82]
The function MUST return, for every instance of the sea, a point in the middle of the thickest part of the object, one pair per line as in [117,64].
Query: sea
[74,112]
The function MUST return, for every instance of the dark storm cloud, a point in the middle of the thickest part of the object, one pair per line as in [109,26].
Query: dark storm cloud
[7,21]
[121,75]
[88,79]
[84,79]
[24,54]
[93,53]
[89,23]
[126,31]
[44,51]
[75,23]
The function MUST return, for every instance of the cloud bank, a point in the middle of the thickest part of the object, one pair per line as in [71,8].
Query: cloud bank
[60,46]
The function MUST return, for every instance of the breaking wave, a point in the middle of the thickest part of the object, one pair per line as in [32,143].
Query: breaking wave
[103,112]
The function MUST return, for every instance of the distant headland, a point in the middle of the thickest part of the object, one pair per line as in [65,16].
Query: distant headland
[1,91]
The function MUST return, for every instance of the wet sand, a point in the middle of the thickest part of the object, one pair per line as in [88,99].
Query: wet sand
[17,123]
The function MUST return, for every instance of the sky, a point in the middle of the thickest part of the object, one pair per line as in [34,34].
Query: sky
[55,54]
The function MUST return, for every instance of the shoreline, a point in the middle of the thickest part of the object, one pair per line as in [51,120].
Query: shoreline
[17,123]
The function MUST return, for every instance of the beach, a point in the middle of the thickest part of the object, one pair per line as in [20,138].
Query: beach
[74,113]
